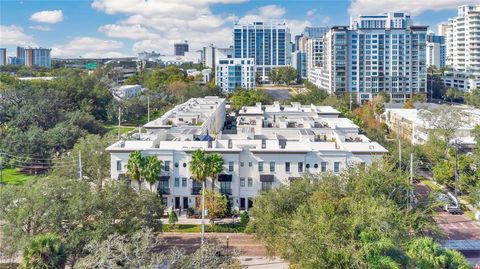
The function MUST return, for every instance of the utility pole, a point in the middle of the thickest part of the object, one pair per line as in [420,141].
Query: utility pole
[80,174]
[456,174]
[1,170]
[400,154]
[411,200]
[119,113]
[350,101]
[148,108]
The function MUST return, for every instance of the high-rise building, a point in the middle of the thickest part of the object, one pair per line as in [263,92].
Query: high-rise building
[180,48]
[208,56]
[265,41]
[3,56]
[463,49]
[375,53]
[436,50]
[315,31]
[234,73]
[299,62]
[34,56]
[443,29]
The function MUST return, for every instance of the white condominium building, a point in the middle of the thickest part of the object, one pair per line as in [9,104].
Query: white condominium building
[265,41]
[263,147]
[463,49]
[233,73]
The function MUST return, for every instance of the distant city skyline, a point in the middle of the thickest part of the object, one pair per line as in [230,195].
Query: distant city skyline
[112,28]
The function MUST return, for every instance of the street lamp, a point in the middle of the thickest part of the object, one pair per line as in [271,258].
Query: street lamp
[455,144]
[228,237]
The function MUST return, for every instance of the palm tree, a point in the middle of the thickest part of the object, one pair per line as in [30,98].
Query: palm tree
[44,251]
[425,253]
[134,167]
[199,170]
[214,167]
[151,170]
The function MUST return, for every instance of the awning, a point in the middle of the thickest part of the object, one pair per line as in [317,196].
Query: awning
[164,178]
[122,176]
[266,178]
[294,178]
[224,177]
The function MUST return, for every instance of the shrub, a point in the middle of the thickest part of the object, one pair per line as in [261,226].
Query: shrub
[172,218]
[190,212]
[244,218]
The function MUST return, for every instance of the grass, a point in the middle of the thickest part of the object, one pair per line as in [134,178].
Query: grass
[197,228]
[113,129]
[11,176]
[431,185]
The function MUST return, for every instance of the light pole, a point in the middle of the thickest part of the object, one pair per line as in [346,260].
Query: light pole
[228,237]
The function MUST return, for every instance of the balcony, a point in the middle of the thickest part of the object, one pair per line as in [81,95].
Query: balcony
[226,191]
[164,191]
[196,190]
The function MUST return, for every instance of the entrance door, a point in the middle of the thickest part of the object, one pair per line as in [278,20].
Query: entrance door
[177,202]
[242,203]
[250,203]
[185,202]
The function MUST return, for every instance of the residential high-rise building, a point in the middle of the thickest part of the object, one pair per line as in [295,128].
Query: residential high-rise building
[3,56]
[443,29]
[436,50]
[267,42]
[299,62]
[375,53]
[34,56]
[208,56]
[180,48]
[315,31]
[233,73]
[463,49]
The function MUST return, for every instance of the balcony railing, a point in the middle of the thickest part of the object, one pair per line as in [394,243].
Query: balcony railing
[196,191]
[164,190]
[226,191]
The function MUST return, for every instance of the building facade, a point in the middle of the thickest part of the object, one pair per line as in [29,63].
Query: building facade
[234,73]
[436,51]
[3,56]
[271,145]
[34,57]
[208,56]
[299,62]
[180,48]
[267,42]
[463,48]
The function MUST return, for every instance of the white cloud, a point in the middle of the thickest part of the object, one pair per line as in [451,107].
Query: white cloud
[271,11]
[88,47]
[14,35]
[40,27]
[372,7]
[326,20]
[311,12]
[156,24]
[47,16]
[127,31]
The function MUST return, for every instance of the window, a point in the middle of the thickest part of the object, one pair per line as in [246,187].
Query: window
[287,167]
[242,182]
[250,182]
[166,166]
[315,166]
[184,182]
[300,167]
[241,164]
[272,166]
[260,166]
[230,166]
[249,164]
[176,164]
[307,166]
[336,167]
[119,165]
[323,166]
[177,182]
[184,164]
[266,186]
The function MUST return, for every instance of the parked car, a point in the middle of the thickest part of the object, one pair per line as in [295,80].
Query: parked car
[453,209]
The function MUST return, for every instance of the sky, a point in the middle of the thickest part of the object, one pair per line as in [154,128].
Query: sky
[117,28]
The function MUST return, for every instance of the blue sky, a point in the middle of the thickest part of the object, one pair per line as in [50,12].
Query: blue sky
[108,28]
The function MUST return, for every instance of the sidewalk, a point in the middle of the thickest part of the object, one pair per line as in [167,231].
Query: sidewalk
[182,219]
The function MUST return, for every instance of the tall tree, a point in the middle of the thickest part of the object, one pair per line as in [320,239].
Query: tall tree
[443,121]
[151,170]
[135,165]
[199,169]
[44,251]
[215,164]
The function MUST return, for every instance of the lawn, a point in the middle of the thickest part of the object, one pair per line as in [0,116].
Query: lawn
[113,129]
[12,177]
[183,228]
[432,185]
[197,228]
